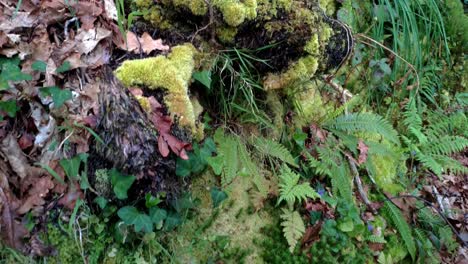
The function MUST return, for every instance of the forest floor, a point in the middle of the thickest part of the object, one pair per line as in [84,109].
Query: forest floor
[125,140]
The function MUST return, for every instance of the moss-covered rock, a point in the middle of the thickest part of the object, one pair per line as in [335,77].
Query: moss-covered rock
[172,74]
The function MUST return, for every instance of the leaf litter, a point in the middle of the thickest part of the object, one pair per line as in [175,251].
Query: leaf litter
[61,47]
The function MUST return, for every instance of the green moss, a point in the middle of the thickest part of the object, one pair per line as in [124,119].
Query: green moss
[301,70]
[305,68]
[66,248]
[156,17]
[224,233]
[226,34]
[235,12]
[328,6]
[102,183]
[197,7]
[309,104]
[172,73]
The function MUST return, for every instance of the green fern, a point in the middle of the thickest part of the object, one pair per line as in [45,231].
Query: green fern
[376,239]
[228,148]
[291,191]
[446,145]
[434,143]
[293,227]
[274,149]
[364,122]
[250,168]
[402,226]
[341,183]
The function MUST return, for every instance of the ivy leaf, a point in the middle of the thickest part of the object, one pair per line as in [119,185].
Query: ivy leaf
[64,67]
[39,66]
[157,215]
[216,164]
[204,77]
[121,183]
[217,196]
[58,95]
[172,221]
[131,216]
[347,225]
[12,72]
[151,201]
[183,167]
[9,107]
[101,202]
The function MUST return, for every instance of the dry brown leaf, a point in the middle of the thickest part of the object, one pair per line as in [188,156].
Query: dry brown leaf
[12,151]
[45,124]
[3,39]
[70,198]
[11,22]
[111,10]
[100,56]
[36,194]
[87,40]
[146,42]
[363,150]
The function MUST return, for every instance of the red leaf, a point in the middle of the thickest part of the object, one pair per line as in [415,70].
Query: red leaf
[183,155]
[363,151]
[162,146]
[26,141]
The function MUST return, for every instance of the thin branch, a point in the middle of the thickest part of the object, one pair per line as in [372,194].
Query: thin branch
[358,182]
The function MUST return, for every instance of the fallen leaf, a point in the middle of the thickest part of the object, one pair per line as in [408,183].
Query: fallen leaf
[12,151]
[110,9]
[363,152]
[146,42]
[3,39]
[36,194]
[163,147]
[87,40]
[26,141]
[45,124]
[69,199]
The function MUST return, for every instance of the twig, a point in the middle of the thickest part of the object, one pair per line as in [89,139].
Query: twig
[211,13]
[357,181]
[344,92]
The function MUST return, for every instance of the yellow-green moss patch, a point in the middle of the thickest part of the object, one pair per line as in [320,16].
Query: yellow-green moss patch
[172,73]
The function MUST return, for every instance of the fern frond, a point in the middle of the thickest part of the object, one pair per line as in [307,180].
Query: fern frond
[376,239]
[364,122]
[274,149]
[430,163]
[341,183]
[402,226]
[446,145]
[446,236]
[293,227]
[452,165]
[411,116]
[291,191]
[247,166]
[228,147]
